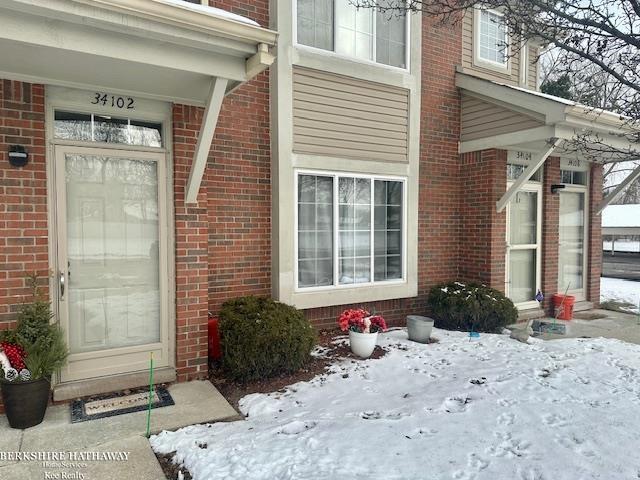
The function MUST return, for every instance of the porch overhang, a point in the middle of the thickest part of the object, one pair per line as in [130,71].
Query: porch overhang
[604,136]
[159,49]
[512,118]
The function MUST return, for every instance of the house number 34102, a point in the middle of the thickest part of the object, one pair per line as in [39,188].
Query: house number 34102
[115,101]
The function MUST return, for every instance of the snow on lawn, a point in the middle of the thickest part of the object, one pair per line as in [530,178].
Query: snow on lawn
[620,290]
[491,408]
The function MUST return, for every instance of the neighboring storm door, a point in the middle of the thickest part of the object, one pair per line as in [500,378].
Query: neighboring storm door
[111,235]
[572,253]
[524,250]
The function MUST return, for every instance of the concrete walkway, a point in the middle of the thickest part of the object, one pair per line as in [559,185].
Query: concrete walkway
[195,402]
[621,326]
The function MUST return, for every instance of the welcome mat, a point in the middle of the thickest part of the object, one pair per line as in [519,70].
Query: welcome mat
[118,404]
[548,327]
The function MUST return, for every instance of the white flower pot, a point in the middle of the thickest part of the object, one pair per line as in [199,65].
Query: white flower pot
[362,344]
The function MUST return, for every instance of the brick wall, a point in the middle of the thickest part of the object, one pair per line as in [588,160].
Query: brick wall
[23,196]
[239,196]
[594,265]
[191,237]
[550,234]
[482,243]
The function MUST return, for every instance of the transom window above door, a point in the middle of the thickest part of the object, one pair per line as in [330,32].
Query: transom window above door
[350,230]
[89,127]
[364,33]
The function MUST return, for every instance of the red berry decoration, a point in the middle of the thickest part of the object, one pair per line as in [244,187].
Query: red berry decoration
[15,353]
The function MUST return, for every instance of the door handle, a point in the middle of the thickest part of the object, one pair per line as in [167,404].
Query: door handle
[61,281]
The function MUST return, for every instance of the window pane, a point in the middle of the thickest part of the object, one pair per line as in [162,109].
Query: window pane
[72,126]
[107,129]
[315,23]
[572,220]
[355,30]
[523,217]
[388,230]
[522,268]
[492,37]
[315,231]
[355,230]
[390,38]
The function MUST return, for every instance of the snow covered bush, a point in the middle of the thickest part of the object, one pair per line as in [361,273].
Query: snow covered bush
[467,307]
[262,338]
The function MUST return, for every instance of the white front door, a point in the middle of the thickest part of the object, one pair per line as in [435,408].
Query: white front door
[524,214]
[111,239]
[572,240]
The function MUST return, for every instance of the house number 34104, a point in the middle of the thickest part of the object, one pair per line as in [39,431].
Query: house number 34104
[115,101]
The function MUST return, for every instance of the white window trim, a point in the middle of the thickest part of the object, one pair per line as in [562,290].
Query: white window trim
[478,61]
[334,54]
[336,285]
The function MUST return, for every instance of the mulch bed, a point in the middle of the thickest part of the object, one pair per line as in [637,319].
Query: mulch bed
[234,391]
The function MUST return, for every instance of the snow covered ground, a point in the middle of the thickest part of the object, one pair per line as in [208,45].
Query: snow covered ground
[620,290]
[491,408]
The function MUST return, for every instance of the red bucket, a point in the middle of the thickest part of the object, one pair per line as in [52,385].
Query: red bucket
[563,305]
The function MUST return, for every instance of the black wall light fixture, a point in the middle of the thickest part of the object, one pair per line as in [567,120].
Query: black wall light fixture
[18,156]
[555,188]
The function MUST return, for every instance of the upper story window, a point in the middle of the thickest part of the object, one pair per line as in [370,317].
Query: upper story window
[491,40]
[343,28]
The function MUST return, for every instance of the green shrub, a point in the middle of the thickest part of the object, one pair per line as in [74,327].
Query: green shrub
[262,338]
[456,306]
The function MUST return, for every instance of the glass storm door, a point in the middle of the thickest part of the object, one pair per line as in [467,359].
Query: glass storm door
[523,247]
[111,235]
[572,243]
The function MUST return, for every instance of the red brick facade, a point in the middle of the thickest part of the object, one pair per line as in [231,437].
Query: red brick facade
[483,179]
[23,195]
[550,233]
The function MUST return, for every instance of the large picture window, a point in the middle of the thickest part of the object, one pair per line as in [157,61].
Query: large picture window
[350,230]
[341,27]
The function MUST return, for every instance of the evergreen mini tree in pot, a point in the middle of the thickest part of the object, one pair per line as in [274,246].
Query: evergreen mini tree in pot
[29,355]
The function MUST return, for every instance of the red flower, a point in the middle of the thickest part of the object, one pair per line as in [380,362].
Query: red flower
[354,319]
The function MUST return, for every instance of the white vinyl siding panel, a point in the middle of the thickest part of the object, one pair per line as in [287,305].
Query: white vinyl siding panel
[335,115]
[468,39]
[482,119]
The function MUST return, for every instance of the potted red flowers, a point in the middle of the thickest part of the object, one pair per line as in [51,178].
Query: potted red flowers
[363,330]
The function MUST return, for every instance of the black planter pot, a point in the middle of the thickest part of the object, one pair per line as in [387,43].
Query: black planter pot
[25,403]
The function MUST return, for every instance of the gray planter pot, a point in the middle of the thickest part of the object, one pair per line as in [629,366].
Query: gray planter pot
[419,328]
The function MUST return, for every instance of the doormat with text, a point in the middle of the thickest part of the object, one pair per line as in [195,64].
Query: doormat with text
[118,404]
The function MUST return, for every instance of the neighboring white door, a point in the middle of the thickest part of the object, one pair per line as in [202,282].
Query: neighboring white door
[111,252]
[524,214]
[572,240]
